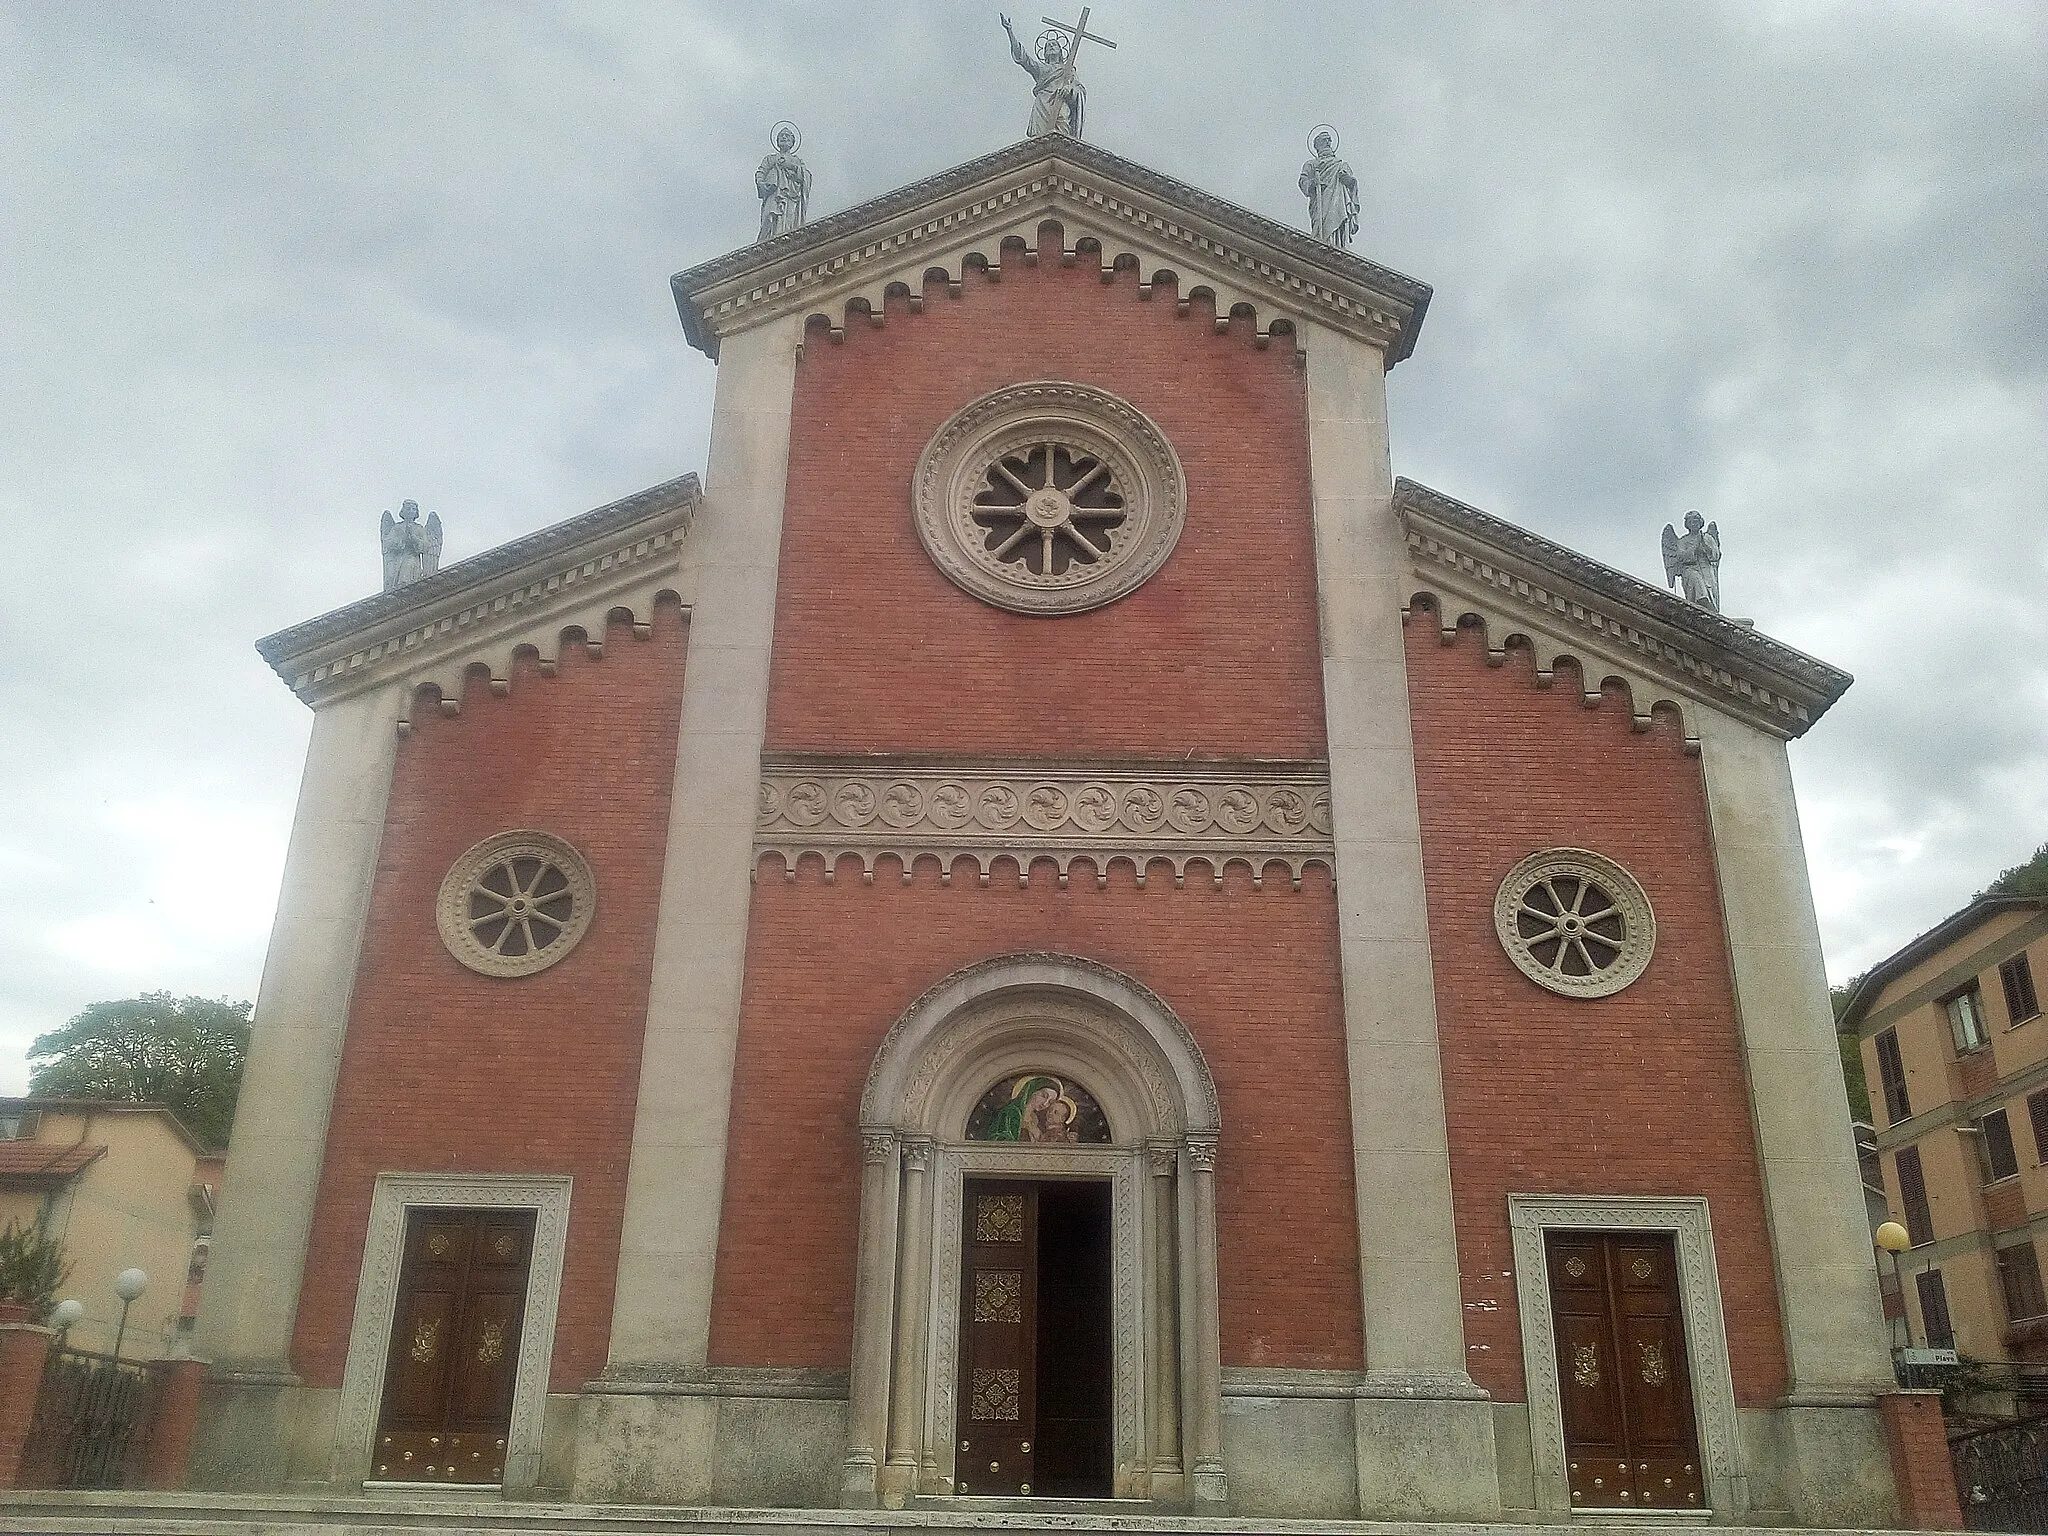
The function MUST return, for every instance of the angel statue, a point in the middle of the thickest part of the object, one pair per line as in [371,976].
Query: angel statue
[783,184]
[1695,561]
[1057,97]
[410,550]
[1331,189]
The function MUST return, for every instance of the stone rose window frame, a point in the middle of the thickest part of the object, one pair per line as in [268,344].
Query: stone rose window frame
[516,903]
[1575,922]
[1049,498]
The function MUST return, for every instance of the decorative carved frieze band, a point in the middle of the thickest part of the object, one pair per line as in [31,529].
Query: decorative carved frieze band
[1128,212]
[528,594]
[1661,647]
[1253,814]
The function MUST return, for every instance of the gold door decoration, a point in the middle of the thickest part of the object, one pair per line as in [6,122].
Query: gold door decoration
[1655,1371]
[999,1296]
[425,1339]
[1586,1365]
[999,1219]
[490,1346]
[997,1395]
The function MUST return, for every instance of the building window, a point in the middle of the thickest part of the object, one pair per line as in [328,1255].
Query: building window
[1913,1195]
[1966,1019]
[19,1125]
[2000,1162]
[1891,1070]
[2019,1273]
[2037,1111]
[2017,977]
[1941,1333]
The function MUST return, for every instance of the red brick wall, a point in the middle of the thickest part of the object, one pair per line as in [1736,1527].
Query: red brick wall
[446,1070]
[1922,1469]
[1639,1093]
[876,651]
[1252,973]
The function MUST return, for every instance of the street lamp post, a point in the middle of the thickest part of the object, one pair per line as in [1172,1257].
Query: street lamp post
[128,1285]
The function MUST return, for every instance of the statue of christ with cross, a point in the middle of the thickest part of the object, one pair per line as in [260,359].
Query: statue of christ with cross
[1057,97]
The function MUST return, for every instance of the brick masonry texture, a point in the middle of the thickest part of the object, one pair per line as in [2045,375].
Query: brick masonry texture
[1640,1093]
[1917,1437]
[829,967]
[446,1070]
[876,651]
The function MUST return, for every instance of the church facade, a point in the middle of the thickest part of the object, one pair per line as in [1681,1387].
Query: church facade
[1049,931]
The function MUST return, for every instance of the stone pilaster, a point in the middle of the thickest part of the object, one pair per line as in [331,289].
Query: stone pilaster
[250,1304]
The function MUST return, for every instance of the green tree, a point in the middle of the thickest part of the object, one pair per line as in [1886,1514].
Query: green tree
[183,1053]
[2028,879]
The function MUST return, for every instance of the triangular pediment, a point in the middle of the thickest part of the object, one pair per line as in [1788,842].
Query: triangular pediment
[1111,210]
[526,595]
[1477,567]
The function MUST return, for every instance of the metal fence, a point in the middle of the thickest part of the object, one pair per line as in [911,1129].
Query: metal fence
[2002,1476]
[92,1422]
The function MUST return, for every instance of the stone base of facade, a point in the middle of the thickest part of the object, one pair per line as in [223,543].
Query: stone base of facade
[1313,1445]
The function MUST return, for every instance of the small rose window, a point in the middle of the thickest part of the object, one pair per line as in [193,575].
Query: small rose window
[1575,922]
[516,903]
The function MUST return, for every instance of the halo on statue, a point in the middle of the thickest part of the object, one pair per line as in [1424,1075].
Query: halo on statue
[1050,47]
[1317,132]
[776,133]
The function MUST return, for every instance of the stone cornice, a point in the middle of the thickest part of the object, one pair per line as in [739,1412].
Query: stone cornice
[1180,813]
[1242,257]
[1662,647]
[526,593]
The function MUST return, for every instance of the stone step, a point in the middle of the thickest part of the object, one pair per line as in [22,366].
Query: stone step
[387,1514]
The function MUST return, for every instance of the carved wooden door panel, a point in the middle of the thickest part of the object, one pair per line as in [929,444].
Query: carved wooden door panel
[998,1392]
[454,1347]
[1630,1439]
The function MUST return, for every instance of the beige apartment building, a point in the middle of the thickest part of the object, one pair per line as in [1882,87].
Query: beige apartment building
[122,1186]
[1955,1049]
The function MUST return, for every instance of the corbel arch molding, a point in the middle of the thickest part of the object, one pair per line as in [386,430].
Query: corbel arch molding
[494,658]
[1501,634]
[1119,1037]
[1025,243]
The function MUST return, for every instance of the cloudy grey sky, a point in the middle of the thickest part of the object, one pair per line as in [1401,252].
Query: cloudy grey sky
[267,269]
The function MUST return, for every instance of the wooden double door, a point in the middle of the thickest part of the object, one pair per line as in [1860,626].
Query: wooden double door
[1034,1415]
[1629,1432]
[454,1347]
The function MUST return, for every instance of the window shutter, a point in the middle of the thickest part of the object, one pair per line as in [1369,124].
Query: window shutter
[2017,977]
[1913,1195]
[2019,1273]
[2037,1111]
[1891,1070]
[1998,1152]
[1941,1334]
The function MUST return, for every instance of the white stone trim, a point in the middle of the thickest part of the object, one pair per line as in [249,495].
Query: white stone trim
[1706,1339]
[369,1347]
[1129,1325]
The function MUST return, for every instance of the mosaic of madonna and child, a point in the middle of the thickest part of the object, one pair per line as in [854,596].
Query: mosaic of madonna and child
[1039,1108]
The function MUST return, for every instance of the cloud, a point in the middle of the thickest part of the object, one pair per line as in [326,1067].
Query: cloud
[273,269]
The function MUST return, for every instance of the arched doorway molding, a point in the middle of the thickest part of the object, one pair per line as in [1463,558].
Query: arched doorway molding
[1075,1017]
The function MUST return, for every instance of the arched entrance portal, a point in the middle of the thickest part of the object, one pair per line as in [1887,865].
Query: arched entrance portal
[1152,1157]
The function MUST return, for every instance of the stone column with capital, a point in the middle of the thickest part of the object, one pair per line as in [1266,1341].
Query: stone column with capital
[907,1449]
[1163,1160]
[874,1286]
[1202,1344]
